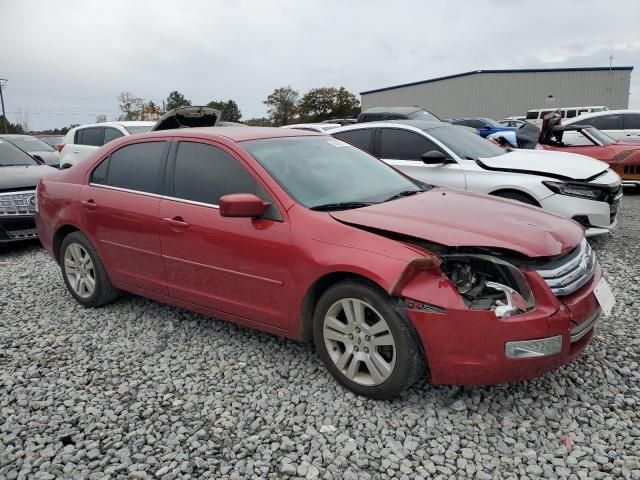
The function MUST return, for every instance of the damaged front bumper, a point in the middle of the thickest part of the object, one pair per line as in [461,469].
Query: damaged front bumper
[473,347]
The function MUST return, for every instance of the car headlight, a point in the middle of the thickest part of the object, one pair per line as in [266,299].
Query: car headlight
[486,282]
[574,190]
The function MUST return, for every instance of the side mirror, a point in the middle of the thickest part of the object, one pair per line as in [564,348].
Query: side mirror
[242,205]
[435,157]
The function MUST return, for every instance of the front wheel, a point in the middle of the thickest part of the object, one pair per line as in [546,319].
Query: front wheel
[364,342]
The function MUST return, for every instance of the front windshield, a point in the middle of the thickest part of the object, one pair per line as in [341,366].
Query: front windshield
[31,144]
[133,129]
[321,170]
[11,155]
[423,115]
[600,136]
[467,145]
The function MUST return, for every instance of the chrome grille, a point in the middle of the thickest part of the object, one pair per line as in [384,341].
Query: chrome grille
[575,271]
[18,203]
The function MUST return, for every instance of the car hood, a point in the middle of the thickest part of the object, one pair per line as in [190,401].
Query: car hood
[460,219]
[561,165]
[188,117]
[23,176]
[50,158]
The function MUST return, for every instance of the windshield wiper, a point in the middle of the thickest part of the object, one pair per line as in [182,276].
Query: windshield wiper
[327,207]
[404,193]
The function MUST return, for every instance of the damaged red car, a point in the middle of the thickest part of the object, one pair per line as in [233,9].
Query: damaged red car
[623,156]
[305,236]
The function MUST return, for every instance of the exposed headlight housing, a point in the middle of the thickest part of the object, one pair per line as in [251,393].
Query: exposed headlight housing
[580,190]
[489,283]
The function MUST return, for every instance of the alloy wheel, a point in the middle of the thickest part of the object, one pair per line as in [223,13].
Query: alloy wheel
[79,270]
[359,342]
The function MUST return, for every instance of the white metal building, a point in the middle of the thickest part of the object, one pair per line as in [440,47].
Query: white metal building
[500,93]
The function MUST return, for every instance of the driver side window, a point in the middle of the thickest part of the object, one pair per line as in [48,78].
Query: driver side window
[397,144]
[204,173]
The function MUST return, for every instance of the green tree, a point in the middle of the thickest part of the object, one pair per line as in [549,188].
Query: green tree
[283,105]
[130,106]
[10,127]
[176,100]
[229,110]
[324,103]
[346,104]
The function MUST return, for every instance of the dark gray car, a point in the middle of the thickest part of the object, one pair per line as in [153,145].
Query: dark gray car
[35,147]
[19,175]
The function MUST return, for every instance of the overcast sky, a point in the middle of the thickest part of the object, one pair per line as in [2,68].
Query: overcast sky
[66,61]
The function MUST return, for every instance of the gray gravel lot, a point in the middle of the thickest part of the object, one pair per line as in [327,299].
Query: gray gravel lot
[138,389]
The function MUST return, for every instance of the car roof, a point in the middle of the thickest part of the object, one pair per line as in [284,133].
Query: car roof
[424,125]
[600,114]
[577,107]
[232,133]
[404,110]
[124,123]
[15,135]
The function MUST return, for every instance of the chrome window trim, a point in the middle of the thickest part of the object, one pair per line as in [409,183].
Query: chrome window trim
[154,195]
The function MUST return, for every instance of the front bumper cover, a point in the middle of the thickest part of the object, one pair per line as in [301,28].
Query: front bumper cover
[465,347]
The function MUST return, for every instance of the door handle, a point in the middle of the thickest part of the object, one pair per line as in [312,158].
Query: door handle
[176,222]
[89,204]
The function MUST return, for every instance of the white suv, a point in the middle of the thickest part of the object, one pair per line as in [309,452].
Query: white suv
[437,153]
[80,142]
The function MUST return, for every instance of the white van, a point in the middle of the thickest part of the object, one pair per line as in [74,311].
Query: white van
[536,115]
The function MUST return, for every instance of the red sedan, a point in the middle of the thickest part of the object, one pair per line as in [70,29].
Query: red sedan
[305,236]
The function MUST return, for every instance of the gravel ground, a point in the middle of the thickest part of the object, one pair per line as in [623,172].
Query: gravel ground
[142,390]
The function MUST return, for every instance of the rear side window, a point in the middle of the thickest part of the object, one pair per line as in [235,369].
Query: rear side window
[358,138]
[90,136]
[571,113]
[605,122]
[111,134]
[474,123]
[138,167]
[399,144]
[632,121]
[532,115]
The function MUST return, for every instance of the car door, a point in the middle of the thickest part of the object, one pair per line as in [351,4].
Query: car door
[232,265]
[86,141]
[631,123]
[403,149]
[120,213]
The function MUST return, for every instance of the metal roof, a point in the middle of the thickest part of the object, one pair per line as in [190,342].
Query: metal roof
[515,70]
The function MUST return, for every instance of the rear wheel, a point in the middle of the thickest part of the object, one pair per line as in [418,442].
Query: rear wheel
[364,342]
[83,272]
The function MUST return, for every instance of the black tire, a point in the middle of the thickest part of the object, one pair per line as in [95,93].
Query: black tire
[520,197]
[409,360]
[104,291]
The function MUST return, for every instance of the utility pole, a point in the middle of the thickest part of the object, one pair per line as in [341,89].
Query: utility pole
[3,82]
